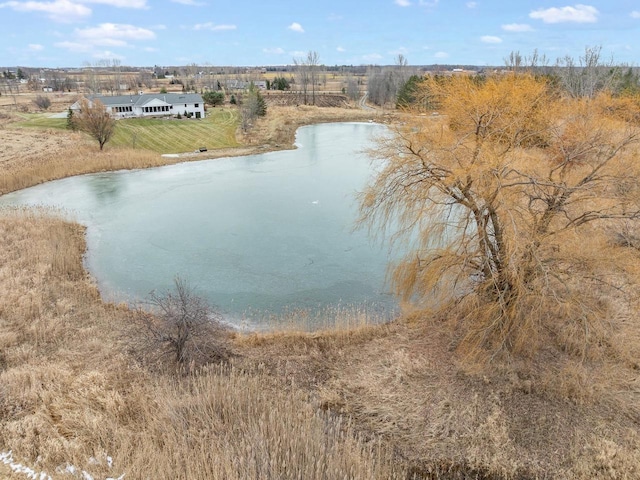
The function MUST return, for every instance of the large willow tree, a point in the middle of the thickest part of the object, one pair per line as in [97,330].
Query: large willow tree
[510,199]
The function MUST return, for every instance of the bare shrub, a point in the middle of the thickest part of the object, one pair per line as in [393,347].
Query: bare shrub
[42,102]
[179,326]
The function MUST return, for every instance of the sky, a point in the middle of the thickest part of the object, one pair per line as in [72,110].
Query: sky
[75,33]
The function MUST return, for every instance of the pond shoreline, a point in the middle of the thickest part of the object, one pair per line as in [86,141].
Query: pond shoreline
[285,217]
[62,154]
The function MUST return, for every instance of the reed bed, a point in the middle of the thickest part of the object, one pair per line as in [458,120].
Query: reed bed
[74,403]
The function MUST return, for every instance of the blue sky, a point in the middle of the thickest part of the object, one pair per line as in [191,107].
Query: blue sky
[72,33]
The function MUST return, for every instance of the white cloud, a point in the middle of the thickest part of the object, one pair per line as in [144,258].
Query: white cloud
[399,51]
[635,14]
[441,55]
[35,47]
[68,11]
[74,46]
[107,55]
[119,3]
[341,49]
[517,27]
[472,4]
[59,10]
[372,57]
[192,3]
[116,33]
[403,3]
[273,51]
[578,14]
[296,27]
[490,39]
[213,27]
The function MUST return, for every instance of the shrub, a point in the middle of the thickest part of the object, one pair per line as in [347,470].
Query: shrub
[42,102]
[181,327]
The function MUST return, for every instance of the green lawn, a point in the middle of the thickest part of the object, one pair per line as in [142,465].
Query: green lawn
[41,120]
[217,130]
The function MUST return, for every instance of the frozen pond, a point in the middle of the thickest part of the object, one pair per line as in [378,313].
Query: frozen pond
[254,235]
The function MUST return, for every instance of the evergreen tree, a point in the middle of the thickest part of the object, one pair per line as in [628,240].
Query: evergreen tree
[71,124]
[213,98]
[407,92]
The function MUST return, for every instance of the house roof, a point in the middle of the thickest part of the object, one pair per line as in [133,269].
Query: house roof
[141,100]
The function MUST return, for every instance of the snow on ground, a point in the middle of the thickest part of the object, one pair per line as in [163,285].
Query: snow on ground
[7,459]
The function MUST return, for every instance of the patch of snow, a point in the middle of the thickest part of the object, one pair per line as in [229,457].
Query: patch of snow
[7,459]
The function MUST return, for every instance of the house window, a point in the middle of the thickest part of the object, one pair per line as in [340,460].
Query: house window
[197,105]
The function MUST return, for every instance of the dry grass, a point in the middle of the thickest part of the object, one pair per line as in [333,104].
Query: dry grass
[32,156]
[352,401]
[69,395]
[278,128]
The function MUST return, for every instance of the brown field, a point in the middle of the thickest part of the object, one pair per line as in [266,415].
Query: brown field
[357,402]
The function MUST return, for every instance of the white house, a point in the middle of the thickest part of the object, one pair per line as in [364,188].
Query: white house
[150,105]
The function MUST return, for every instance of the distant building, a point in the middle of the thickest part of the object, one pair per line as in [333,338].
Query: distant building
[150,105]
[244,85]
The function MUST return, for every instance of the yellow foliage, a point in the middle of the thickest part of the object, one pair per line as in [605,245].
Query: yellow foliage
[494,196]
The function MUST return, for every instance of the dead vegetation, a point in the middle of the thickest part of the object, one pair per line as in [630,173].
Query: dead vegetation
[71,395]
[365,402]
[357,401]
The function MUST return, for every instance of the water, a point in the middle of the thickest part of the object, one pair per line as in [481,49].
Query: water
[254,235]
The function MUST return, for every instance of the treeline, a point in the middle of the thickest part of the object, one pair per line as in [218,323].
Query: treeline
[581,78]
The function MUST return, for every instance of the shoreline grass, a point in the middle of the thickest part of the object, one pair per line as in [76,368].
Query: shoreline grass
[46,152]
[71,394]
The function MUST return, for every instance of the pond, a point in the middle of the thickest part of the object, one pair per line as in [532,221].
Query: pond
[256,235]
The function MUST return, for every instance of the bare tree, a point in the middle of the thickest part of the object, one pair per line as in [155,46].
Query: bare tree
[589,75]
[313,61]
[352,90]
[181,326]
[506,196]
[95,120]
[252,106]
[91,78]
[385,82]
[116,66]
[302,74]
